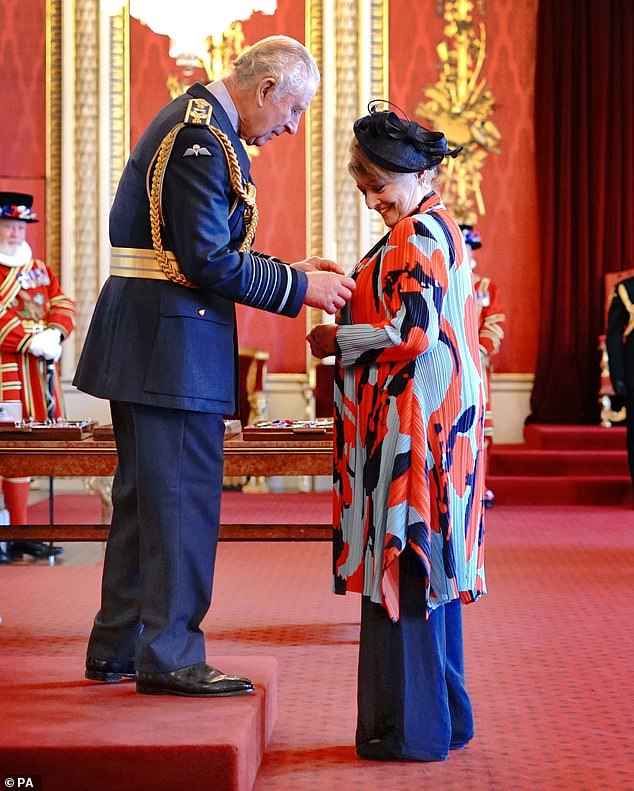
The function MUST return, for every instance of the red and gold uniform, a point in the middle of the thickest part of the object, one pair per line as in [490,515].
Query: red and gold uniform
[491,320]
[31,300]
[35,317]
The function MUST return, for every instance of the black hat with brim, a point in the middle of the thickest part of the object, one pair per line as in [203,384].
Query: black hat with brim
[17,206]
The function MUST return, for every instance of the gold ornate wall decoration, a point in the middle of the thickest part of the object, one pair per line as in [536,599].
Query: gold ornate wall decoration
[461,105]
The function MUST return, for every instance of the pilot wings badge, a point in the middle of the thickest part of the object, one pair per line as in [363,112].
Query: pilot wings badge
[196,151]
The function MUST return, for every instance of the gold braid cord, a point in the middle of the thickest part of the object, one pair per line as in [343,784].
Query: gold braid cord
[243,189]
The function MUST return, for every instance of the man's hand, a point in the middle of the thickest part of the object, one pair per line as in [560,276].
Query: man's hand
[322,340]
[316,264]
[328,290]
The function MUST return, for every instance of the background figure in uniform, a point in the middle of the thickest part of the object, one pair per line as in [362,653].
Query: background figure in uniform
[619,341]
[408,466]
[35,317]
[162,348]
[491,320]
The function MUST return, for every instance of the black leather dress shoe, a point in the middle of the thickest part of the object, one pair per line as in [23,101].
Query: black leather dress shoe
[38,549]
[108,672]
[196,681]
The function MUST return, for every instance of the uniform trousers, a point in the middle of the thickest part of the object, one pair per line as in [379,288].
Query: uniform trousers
[160,555]
[411,696]
[629,426]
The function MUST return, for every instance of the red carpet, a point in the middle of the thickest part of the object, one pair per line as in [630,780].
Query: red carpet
[548,655]
[562,465]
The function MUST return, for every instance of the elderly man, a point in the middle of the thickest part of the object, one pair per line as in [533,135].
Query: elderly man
[36,316]
[162,348]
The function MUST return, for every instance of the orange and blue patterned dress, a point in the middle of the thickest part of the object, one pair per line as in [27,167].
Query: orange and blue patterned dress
[409,418]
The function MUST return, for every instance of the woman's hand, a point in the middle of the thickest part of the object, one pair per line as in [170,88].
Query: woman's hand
[322,340]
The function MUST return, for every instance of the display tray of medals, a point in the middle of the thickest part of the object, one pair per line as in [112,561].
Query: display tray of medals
[47,429]
[318,429]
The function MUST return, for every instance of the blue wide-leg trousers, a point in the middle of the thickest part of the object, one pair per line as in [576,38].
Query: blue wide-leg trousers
[412,701]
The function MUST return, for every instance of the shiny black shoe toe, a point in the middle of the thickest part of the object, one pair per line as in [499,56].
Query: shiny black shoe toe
[37,549]
[196,681]
[108,672]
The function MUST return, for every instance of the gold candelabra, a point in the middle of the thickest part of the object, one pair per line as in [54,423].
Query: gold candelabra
[460,104]
[221,50]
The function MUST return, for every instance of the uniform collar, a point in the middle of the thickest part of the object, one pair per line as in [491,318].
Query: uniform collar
[219,90]
[22,256]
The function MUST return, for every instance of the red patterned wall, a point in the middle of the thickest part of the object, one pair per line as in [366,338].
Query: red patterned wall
[22,106]
[510,251]
[278,171]
[510,240]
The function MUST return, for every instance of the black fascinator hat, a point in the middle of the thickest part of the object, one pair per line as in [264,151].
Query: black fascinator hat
[397,144]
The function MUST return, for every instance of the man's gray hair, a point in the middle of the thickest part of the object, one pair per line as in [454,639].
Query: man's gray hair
[280,57]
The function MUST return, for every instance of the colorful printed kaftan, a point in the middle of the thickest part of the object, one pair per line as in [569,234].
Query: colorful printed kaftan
[31,300]
[409,417]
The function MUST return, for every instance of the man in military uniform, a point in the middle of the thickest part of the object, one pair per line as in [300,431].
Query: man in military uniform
[162,348]
[619,341]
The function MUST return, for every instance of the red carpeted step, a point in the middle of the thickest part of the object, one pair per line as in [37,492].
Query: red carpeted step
[108,738]
[560,490]
[519,460]
[560,437]
[562,465]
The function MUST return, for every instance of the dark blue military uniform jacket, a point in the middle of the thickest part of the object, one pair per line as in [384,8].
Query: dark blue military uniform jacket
[153,341]
[620,334]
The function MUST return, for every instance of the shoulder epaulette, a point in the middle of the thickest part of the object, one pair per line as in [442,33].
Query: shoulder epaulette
[198,113]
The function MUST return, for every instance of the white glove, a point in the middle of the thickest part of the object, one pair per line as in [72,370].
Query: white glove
[46,344]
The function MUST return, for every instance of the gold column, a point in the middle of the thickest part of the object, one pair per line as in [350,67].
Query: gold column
[86,163]
[359,57]
[314,133]
[119,96]
[348,69]
[53,134]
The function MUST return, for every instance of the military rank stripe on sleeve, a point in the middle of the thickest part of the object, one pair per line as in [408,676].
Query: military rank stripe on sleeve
[270,286]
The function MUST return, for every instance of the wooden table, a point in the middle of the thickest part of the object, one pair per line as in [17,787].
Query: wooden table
[88,457]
